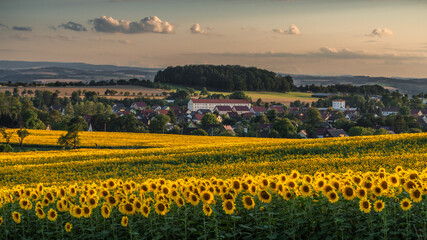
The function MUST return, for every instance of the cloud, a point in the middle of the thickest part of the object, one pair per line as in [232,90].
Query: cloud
[73,26]
[196,29]
[19,36]
[25,29]
[292,30]
[326,53]
[378,32]
[146,25]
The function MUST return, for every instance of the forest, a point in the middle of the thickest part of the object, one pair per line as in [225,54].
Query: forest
[225,77]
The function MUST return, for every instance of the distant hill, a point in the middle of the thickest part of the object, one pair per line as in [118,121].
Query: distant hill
[410,86]
[225,78]
[22,71]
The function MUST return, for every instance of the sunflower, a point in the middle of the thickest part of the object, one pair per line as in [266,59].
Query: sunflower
[327,188]
[384,185]
[52,215]
[25,204]
[405,204]
[179,201]
[235,184]
[207,197]
[361,193]
[365,205]
[367,184]
[248,202]
[160,208]
[332,196]
[228,206]
[87,211]
[207,210]
[348,193]
[319,183]
[16,216]
[72,191]
[194,199]
[416,195]
[127,208]
[287,195]
[305,189]
[393,180]
[379,206]
[291,184]
[264,196]
[40,213]
[137,205]
[112,201]
[68,227]
[294,174]
[409,185]
[145,211]
[125,221]
[1,221]
[377,190]
[105,211]
[92,202]
[77,212]
[336,184]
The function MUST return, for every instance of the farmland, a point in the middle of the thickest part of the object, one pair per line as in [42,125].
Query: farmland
[169,186]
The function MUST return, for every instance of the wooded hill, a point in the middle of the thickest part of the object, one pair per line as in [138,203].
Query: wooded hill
[225,77]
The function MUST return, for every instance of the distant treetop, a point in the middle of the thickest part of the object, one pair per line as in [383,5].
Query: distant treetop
[225,77]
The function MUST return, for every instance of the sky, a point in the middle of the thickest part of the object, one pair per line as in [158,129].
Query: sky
[316,37]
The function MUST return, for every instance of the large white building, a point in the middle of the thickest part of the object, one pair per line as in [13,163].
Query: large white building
[196,104]
[338,104]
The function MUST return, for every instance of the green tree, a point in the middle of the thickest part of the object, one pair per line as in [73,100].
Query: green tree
[285,128]
[313,117]
[204,91]
[399,124]
[158,124]
[22,134]
[72,138]
[199,132]
[405,111]
[208,119]
[172,116]
[7,135]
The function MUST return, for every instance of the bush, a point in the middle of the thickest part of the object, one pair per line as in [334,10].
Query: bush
[6,148]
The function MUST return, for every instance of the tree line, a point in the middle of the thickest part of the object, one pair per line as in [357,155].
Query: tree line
[225,77]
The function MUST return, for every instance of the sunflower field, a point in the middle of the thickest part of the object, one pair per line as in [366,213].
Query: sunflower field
[154,186]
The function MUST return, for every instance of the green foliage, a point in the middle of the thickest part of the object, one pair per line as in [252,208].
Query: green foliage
[7,135]
[228,77]
[72,138]
[22,134]
[199,132]
[158,124]
[209,119]
[6,148]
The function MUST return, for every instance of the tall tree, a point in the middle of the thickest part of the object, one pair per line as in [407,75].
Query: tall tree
[22,134]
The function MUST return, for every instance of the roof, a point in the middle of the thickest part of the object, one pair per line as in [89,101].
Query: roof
[233,114]
[338,100]
[220,101]
[223,108]
[241,108]
[139,104]
[337,132]
[259,109]
[163,112]
[278,108]
[198,116]
[120,105]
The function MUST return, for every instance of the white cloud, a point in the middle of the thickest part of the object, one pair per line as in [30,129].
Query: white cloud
[292,30]
[378,32]
[196,29]
[145,25]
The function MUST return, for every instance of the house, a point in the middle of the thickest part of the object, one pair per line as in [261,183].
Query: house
[256,110]
[222,109]
[240,109]
[279,109]
[118,107]
[234,115]
[229,129]
[197,118]
[87,118]
[196,104]
[389,111]
[165,112]
[303,134]
[204,111]
[219,118]
[156,107]
[335,133]
[416,113]
[248,115]
[191,126]
[338,104]
[320,132]
[139,105]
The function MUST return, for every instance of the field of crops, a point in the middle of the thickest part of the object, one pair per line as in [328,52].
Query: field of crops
[148,186]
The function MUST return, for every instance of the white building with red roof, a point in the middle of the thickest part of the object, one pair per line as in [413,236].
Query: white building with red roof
[196,104]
